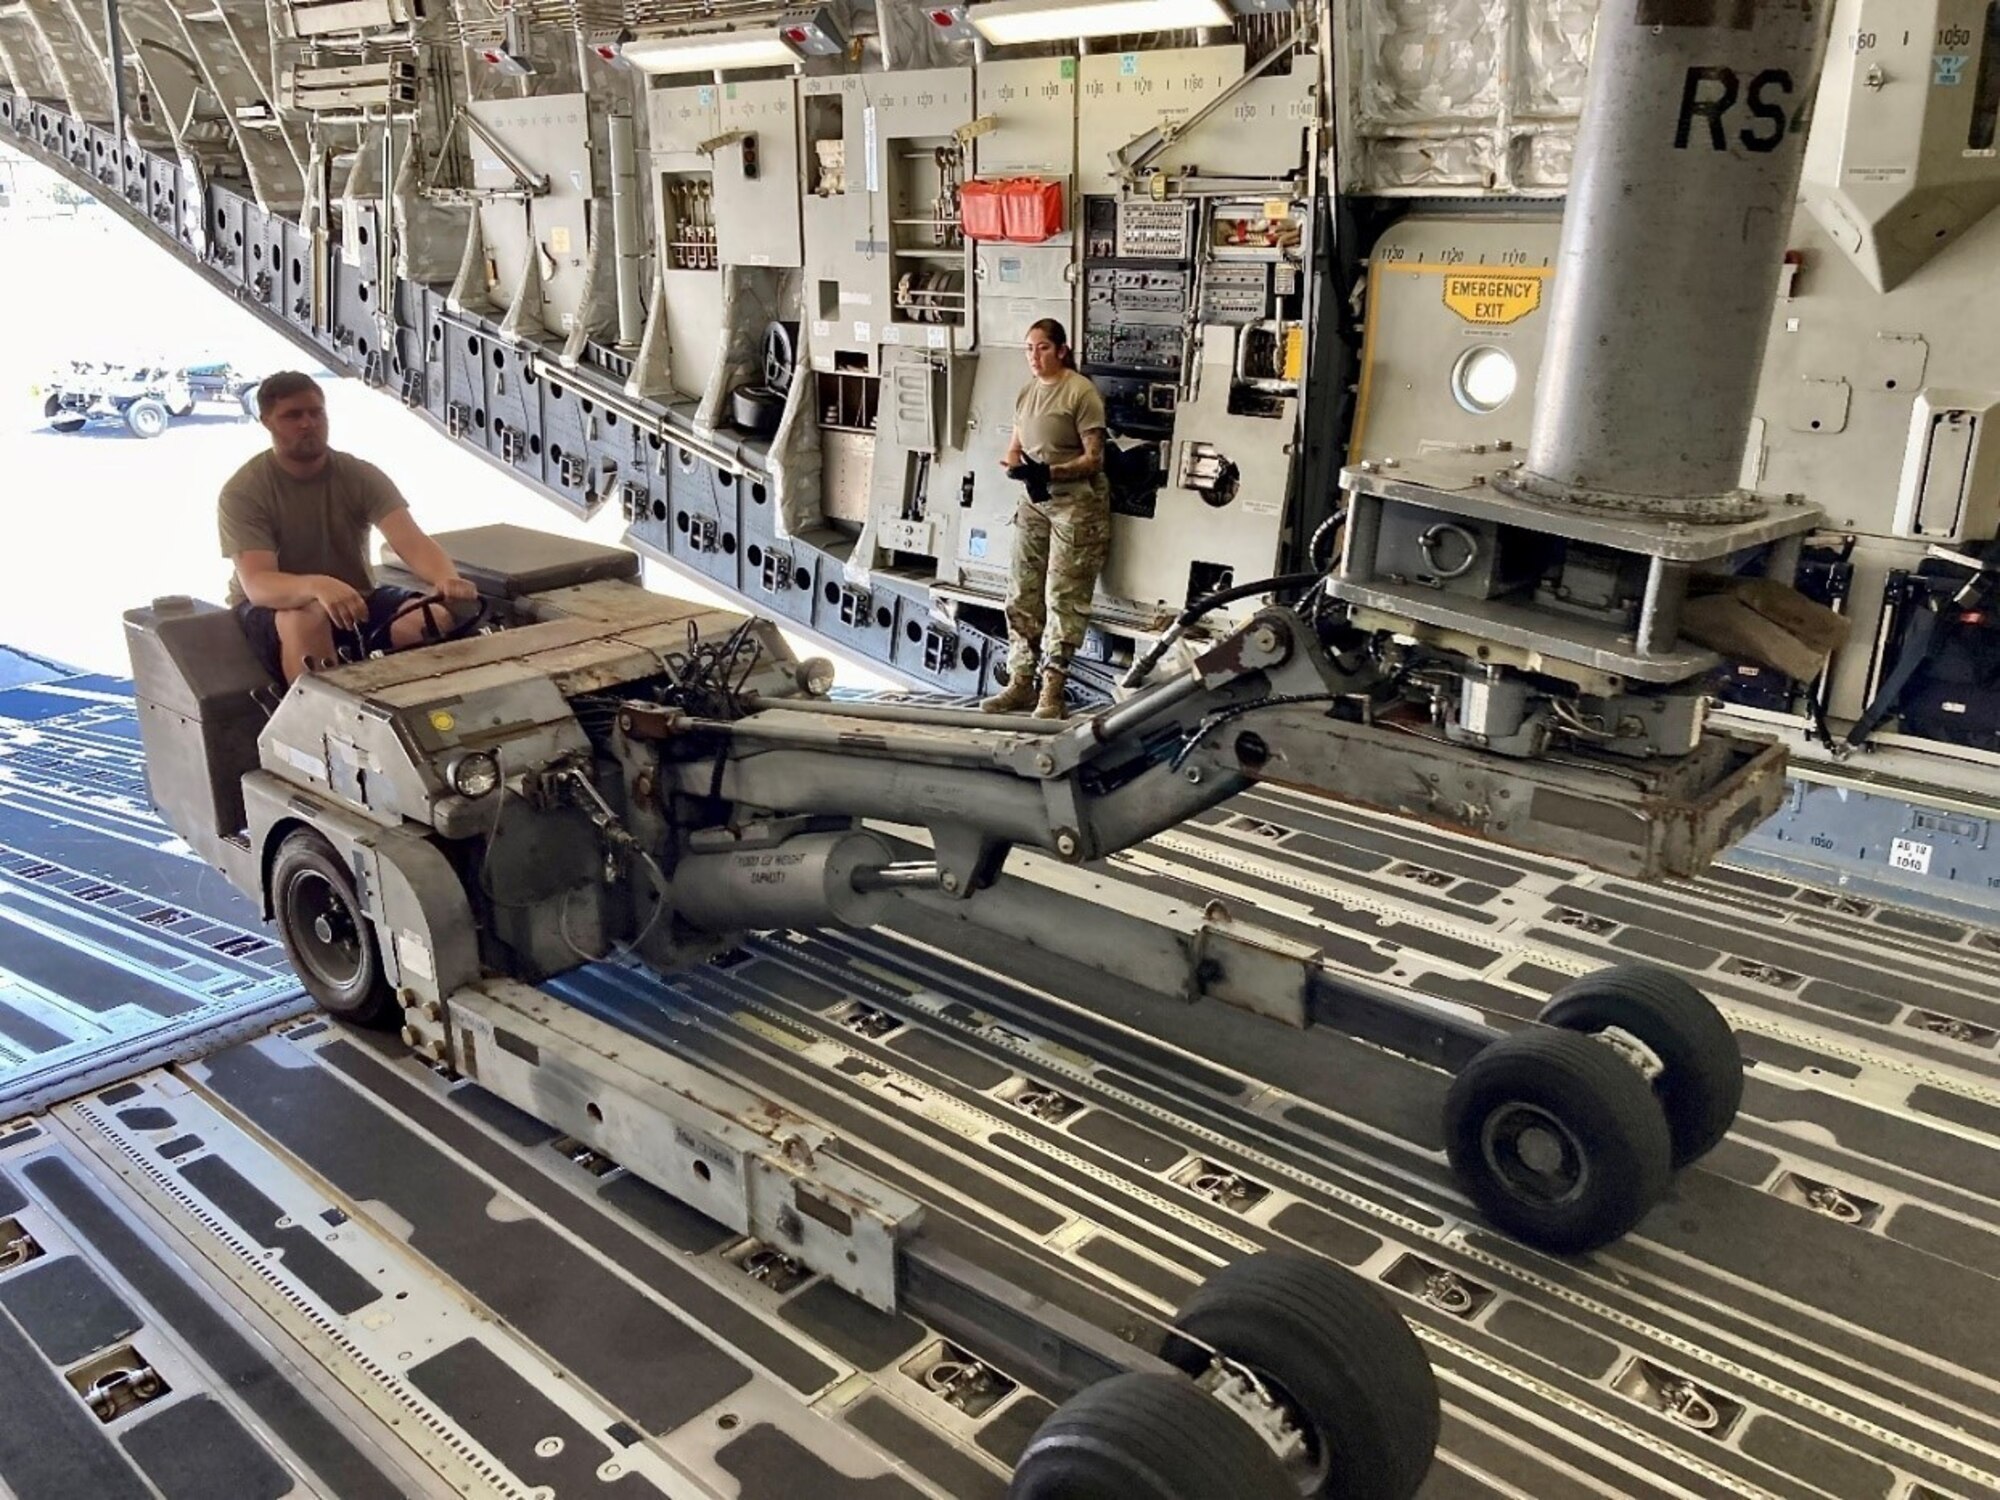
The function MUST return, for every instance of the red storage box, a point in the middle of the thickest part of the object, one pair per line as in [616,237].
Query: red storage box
[1025,210]
[979,212]
[1031,210]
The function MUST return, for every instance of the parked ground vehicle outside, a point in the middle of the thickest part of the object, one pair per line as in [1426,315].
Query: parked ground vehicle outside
[143,399]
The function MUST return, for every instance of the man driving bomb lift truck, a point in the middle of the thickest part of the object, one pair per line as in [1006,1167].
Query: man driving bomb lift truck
[294,521]
[593,771]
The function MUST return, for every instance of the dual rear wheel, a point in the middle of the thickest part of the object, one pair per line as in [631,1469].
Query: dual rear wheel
[1565,1134]
[1568,1132]
[1302,1381]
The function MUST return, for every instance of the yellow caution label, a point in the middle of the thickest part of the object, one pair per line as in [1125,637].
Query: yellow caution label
[1295,353]
[1491,298]
[559,240]
[769,1031]
[442,722]
[894,981]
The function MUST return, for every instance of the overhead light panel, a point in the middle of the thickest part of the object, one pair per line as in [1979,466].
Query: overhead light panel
[951,23]
[715,51]
[813,33]
[506,63]
[1007,23]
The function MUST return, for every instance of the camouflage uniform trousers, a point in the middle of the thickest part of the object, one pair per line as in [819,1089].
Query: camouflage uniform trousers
[1059,549]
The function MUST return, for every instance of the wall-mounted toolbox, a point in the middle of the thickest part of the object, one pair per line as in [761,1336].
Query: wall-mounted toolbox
[1023,210]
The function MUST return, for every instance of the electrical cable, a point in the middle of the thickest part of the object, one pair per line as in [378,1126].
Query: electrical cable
[1206,605]
[621,951]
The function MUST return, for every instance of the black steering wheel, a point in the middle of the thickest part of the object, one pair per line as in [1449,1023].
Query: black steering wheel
[468,615]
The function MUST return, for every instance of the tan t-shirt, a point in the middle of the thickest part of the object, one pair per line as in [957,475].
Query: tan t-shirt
[315,525]
[1052,418]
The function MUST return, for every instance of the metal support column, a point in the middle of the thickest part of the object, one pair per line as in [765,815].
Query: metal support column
[1687,166]
[627,237]
[115,56]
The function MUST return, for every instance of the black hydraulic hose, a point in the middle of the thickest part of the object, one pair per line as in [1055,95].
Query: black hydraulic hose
[1204,606]
[1324,533]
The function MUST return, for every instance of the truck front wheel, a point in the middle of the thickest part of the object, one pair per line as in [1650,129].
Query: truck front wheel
[331,942]
[146,417]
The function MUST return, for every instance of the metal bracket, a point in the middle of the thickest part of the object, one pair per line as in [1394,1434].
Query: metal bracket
[1132,159]
[1633,1051]
[739,1158]
[532,182]
[1239,1388]
[17,1246]
[940,650]
[969,859]
[856,607]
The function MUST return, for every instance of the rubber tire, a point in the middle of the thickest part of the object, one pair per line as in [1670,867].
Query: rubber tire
[1701,1085]
[248,401]
[69,422]
[371,999]
[1341,1353]
[757,409]
[51,405]
[1600,1098]
[1146,1437]
[147,418]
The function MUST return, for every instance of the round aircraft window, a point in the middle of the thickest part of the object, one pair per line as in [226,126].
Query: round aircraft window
[1483,379]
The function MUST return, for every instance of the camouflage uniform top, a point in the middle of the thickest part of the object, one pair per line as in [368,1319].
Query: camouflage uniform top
[1051,417]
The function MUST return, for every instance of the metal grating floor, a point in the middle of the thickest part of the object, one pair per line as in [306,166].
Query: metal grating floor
[1815,1311]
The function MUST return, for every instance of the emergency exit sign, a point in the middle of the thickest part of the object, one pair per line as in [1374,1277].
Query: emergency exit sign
[1491,299]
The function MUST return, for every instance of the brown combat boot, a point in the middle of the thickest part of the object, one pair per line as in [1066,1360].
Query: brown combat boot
[1050,705]
[1017,697]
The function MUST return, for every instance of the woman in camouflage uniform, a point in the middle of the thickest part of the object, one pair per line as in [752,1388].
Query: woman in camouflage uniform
[1062,526]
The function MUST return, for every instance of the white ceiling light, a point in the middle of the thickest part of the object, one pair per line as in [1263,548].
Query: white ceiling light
[1006,23]
[708,52]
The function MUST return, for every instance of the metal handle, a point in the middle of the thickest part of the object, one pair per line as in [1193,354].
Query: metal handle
[1428,542]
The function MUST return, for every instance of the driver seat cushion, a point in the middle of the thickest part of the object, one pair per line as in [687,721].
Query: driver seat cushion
[260,625]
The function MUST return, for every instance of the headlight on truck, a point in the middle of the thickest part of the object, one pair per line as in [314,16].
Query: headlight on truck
[473,774]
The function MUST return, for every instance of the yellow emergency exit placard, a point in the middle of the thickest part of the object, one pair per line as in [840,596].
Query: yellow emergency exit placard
[1492,299]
